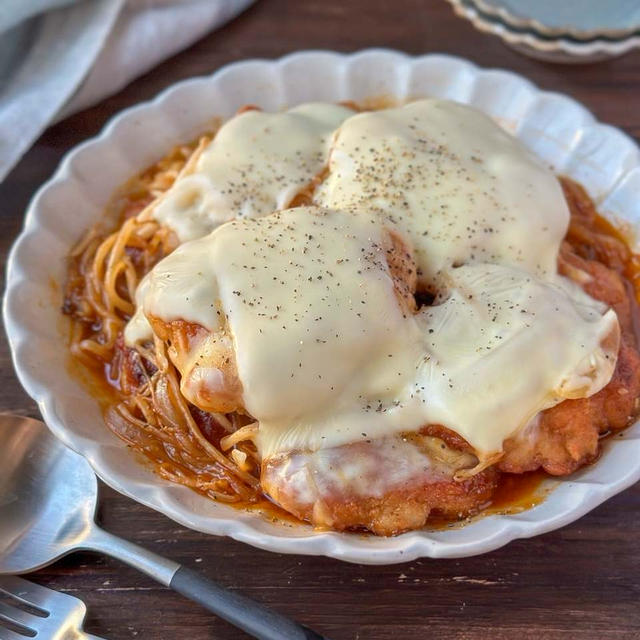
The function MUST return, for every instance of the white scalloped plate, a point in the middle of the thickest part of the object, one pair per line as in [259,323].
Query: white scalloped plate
[551,49]
[554,126]
[583,20]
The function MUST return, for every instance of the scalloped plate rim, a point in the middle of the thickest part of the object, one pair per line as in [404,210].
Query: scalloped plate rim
[353,548]
[510,19]
[575,49]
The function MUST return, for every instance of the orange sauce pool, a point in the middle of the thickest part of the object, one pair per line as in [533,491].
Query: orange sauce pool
[515,493]
[518,492]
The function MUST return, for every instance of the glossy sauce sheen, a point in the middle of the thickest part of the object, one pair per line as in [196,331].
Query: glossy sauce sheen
[325,354]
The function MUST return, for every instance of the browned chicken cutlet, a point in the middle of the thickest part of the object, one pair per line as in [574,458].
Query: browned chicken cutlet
[567,436]
[386,486]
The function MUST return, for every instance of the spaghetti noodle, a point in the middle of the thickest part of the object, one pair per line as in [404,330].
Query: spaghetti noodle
[149,412]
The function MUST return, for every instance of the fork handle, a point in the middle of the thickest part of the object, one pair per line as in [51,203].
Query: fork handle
[244,613]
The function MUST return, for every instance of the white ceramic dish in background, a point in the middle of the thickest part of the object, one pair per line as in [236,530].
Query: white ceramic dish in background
[552,49]
[557,128]
[577,19]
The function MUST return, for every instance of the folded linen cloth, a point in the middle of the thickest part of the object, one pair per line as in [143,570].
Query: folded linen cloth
[60,56]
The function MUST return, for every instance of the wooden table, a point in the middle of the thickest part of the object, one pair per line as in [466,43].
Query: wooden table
[580,582]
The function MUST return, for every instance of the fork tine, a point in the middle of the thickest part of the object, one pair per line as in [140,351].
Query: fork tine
[18,616]
[7,634]
[58,611]
[25,591]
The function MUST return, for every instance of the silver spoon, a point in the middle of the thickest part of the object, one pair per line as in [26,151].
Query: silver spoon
[48,498]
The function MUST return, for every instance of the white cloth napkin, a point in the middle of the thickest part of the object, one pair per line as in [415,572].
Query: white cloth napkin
[60,56]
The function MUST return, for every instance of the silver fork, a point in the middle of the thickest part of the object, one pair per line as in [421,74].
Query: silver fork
[51,614]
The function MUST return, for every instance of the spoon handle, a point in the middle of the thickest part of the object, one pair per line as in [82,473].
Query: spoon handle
[250,616]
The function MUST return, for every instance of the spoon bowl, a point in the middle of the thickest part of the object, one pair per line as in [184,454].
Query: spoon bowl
[37,523]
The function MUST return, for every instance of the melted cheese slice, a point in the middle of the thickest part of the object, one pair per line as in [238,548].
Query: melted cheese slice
[384,465]
[307,295]
[505,345]
[256,164]
[461,188]
[327,355]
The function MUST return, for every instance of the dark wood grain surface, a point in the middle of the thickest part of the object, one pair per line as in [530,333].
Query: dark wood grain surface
[582,581]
